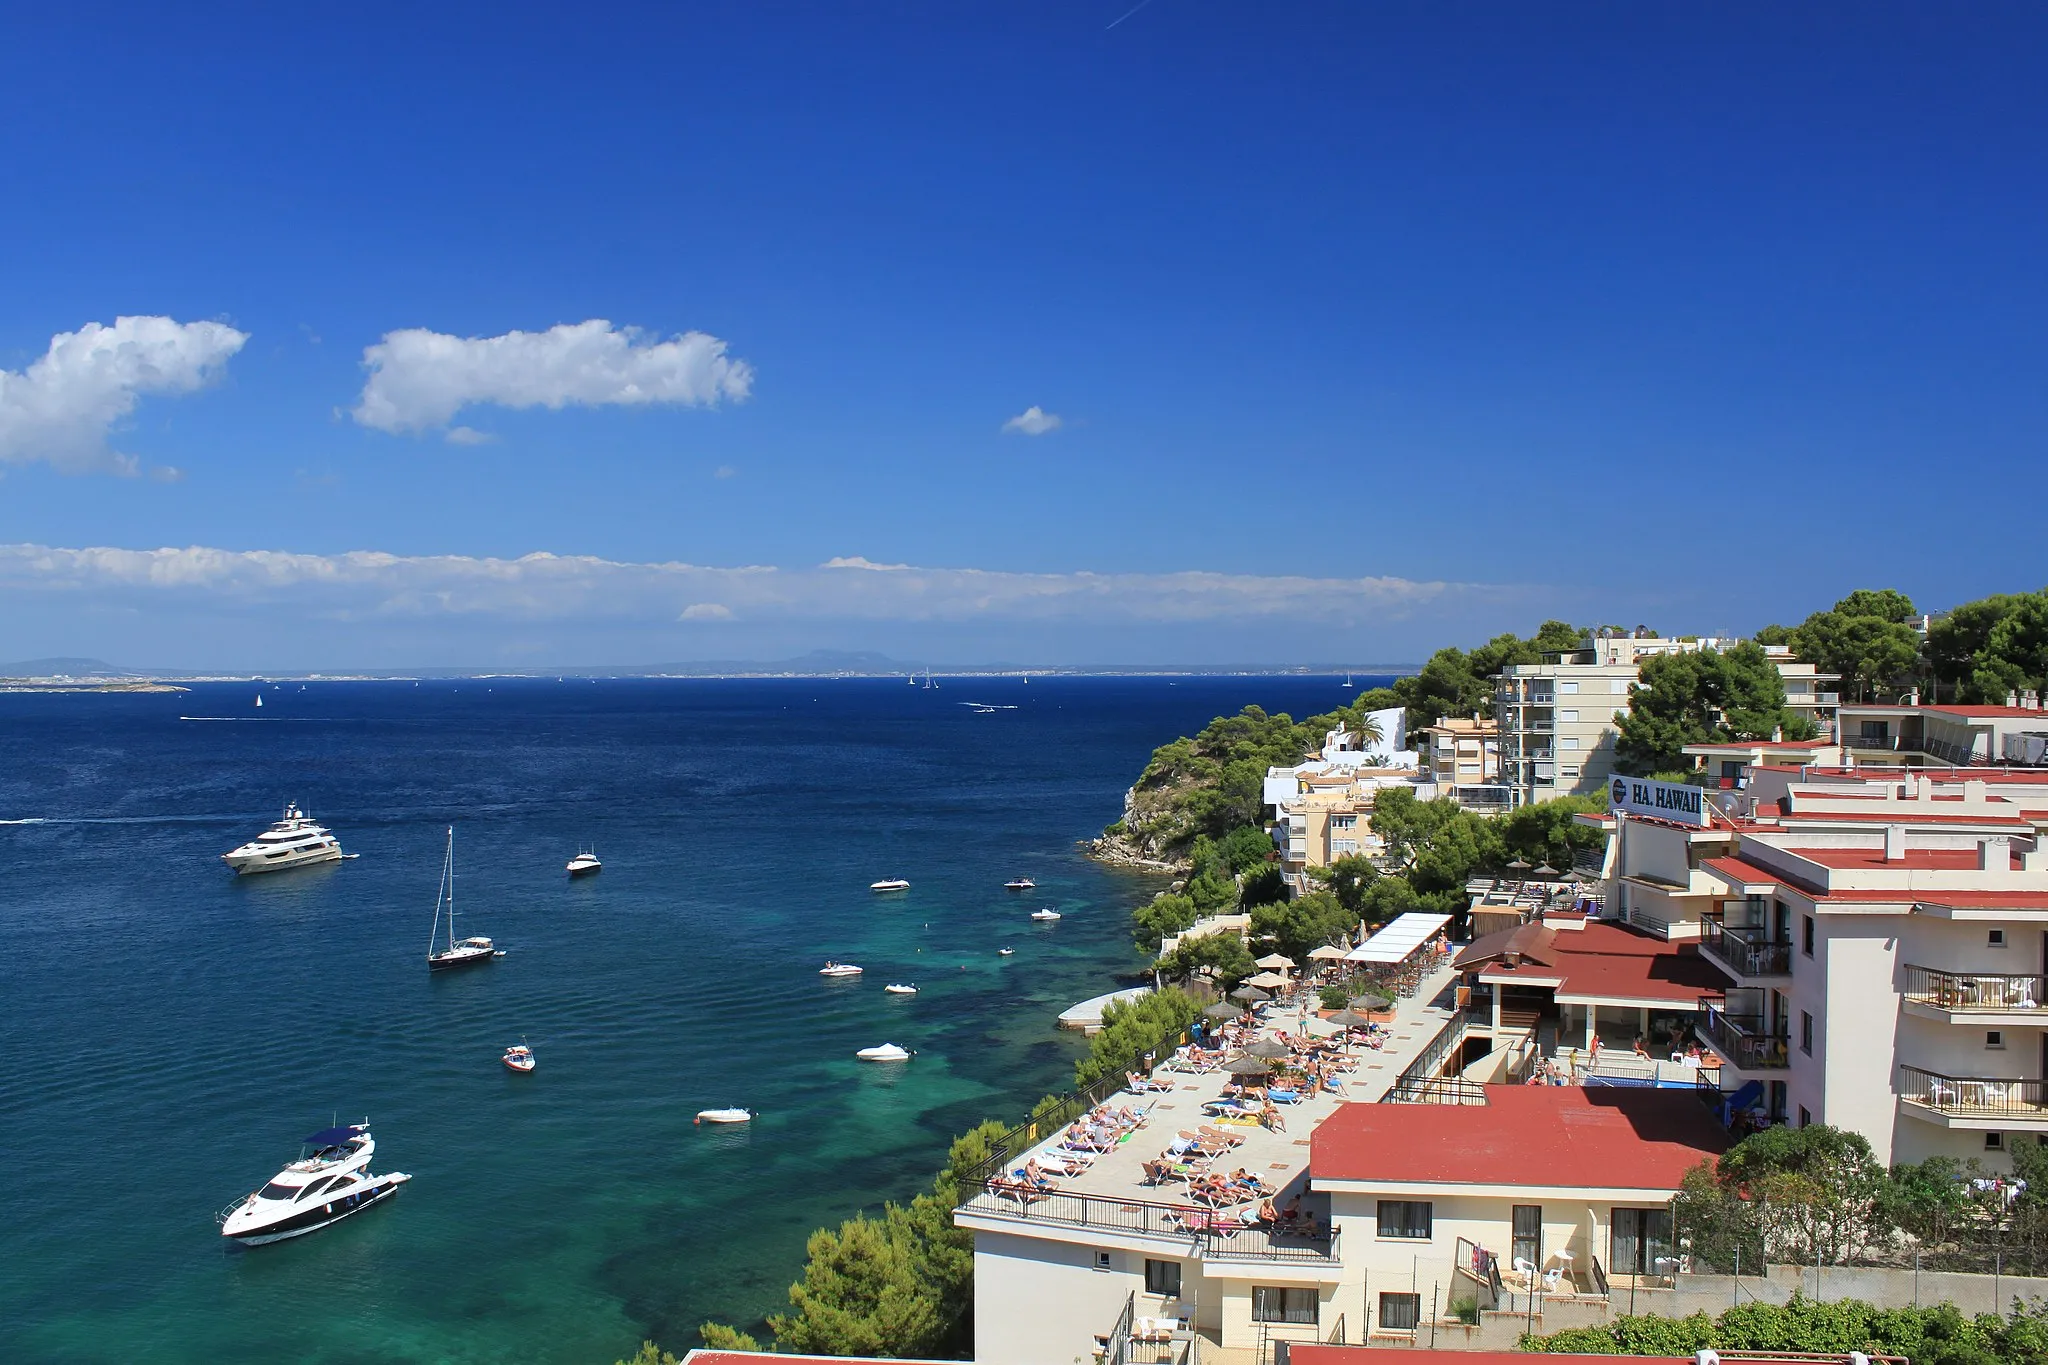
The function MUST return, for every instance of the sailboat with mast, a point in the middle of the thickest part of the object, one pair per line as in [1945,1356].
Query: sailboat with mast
[459,952]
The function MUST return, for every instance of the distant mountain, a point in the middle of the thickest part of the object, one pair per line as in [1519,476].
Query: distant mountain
[66,668]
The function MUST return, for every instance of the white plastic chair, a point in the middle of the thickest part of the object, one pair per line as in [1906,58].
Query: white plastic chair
[1552,1278]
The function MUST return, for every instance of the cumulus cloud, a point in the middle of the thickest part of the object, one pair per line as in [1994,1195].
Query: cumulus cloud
[63,406]
[468,436]
[420,379]
[1033,421]
[364,584]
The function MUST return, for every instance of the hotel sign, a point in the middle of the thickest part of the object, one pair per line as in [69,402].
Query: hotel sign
[1672,801]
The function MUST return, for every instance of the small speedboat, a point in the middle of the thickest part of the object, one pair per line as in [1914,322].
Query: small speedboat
[584,863]
[519,1059]
[900,990]
[1019,884]
[330,1182]
[725,1116]
[887,1052]
[1004,952]
[1048,914]
[839,969]
[889,884]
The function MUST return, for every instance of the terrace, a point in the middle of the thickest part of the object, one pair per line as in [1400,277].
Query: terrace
[1110,1194]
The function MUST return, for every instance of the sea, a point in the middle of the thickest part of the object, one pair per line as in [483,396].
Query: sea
[169,1031]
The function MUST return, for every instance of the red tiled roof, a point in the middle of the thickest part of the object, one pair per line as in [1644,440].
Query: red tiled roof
[1991,712]
[1609,962]
[1915,859]
[1738,871]
[1530,1135]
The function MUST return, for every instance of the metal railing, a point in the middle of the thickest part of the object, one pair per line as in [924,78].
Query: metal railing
[1588,859]
[1185,1224]
[1975,990]
[1428,1063]
[1746,952]
[1975,1096]
[1599,1278]
[1470,1261]
[1434,1090]
[1741,1038]
[1116,1348]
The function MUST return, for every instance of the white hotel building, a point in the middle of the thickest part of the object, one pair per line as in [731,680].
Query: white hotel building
[1884,936]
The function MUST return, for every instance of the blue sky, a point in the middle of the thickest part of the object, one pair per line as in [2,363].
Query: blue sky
[1368,327]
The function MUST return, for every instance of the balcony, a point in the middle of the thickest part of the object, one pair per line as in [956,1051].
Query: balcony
[1742,1039]
[1987,1102]
[1748,953]
[1186,1229]
[1975,997]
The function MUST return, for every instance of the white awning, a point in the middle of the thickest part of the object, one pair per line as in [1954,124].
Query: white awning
[1399,940]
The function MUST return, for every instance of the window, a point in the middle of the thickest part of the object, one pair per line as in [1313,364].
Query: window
[1568,687]
[1640,1243]
[1569,773]
[1806,1033]
[1400,1312]
[1568,742]
[1343,822]
[1525,1226]
[1994,1142]
[1102,1260]
[1568,717]
[274,1190]
[1995,939]
[1994,1037]
[1407,1218]
[1342,848]
[1618,686]
[1162,1278]
[1805,1119]
[1272,1304]
[1806,934]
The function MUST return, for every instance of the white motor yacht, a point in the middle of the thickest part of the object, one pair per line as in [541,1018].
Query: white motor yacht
[900,989]
[583,863]
[326,1185]
[839,969]
[889,884]
[1047,914]
[887,1052]
[294,841]
[1019,884]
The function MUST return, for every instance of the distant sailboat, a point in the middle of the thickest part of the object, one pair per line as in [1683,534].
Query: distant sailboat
[259,699]
[1347,680]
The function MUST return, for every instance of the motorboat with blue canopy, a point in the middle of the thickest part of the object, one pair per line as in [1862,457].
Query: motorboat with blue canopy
[324,1187]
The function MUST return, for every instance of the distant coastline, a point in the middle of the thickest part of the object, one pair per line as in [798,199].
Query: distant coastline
[94,675]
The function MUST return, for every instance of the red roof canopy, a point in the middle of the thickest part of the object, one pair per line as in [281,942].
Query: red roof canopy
[1551,1136]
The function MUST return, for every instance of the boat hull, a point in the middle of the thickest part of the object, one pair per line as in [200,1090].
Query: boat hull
[449,962]
[312,1220]
[248,864]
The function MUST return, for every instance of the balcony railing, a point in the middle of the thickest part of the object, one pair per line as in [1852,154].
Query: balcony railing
[1975,990]
[1181,1223]
[1741,1038]
[2004,1097]
[1746,952]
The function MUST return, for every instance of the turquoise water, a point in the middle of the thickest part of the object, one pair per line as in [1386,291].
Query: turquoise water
[171,1030]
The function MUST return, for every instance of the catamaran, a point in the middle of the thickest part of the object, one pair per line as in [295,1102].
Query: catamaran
[458,953]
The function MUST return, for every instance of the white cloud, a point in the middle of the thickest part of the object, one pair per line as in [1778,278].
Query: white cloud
[421,379]
[468,436]
[366,584]
[62,407]
[724,471]
[1033,421]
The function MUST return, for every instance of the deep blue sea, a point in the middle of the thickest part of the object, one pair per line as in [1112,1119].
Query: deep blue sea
[170,1031]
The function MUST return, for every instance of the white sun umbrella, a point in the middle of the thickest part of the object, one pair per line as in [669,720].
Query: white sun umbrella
[1266,980]
[1276,960]
[1326,953]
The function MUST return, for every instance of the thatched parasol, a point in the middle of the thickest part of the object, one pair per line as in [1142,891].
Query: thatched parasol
[1250,995]
[1222,1010]
[1248,1066]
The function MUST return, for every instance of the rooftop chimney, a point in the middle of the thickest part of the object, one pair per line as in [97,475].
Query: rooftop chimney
[2030,700]
[1994,854]
[2012,698]
[1894,843]
[1976,791]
